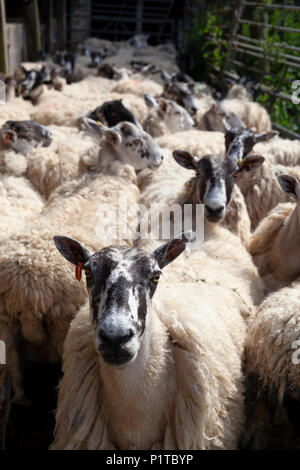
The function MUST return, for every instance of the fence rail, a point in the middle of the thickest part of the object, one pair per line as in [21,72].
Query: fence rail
[268,55]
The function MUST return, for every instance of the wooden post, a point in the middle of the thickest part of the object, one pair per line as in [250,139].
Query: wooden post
[37,28]
[139,16]
[50,26]
[33,31]
[3,45]
[61,24]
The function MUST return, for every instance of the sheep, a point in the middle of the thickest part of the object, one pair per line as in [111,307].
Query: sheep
[66,108]
[251,113]
[238,144]
[72,206]
[111,113]
[19,204]
[281,151]
[22,136]
[212,120]
[181,93]
[273,372]
[138,87]
[182,361]
[47,168]
[183,189]
[261,190]
[231,267]
[124,142]
[18,110]
[195,141]
[37,296]
[166,117]
[274,244]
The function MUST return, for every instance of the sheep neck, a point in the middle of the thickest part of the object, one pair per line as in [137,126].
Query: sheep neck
[137,397]
[108,154]
[285,254]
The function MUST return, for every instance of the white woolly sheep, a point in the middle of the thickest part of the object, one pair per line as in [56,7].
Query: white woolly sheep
[239,271]
[274,244]
[167,117]
[65,110]
[281,151]
[101,149]
[38,296]
[19,203]
[251,113]
[182,361]
[261,190]
[139,87]
[273,371]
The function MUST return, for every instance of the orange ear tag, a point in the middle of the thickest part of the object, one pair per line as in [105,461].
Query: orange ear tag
[78,271]
[7,139]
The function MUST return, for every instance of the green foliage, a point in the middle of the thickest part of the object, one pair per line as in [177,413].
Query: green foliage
[263,60]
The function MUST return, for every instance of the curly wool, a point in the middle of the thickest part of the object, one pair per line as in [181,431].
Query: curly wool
[281,151]
[277,265]
[261,189]
[49,167]
[138,87]
[252,114]
[273,340]
[38,288]
[19,204]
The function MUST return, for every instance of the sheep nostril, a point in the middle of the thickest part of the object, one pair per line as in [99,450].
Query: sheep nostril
[214,210]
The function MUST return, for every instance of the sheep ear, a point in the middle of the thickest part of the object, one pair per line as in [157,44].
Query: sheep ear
[290,185]
[126,129]
[253,161]
[113,137]
[185,159]
[166,253]
[150,101]
[163,105]
[265,136]
[92,125]
[226,125]
[71,249]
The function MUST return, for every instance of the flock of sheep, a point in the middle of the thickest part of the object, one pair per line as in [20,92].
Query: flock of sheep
[203,356]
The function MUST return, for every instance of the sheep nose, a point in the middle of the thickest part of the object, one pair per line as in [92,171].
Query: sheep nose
[194,109]
[215,210]
[115,338]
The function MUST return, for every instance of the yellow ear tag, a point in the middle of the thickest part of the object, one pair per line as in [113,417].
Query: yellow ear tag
[240,162]
[99,123]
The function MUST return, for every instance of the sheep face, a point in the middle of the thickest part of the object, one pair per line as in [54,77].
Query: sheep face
[216,176]
[22,136]
[175,117]
[25,85]
[181,93]
[121,282]
[239,141]
[129,144]
[111,113]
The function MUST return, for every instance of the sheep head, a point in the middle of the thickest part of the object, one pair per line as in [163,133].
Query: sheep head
[121,282]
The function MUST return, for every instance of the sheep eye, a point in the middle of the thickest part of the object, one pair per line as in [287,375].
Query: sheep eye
[155,278]
[235,173]
[88,273]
